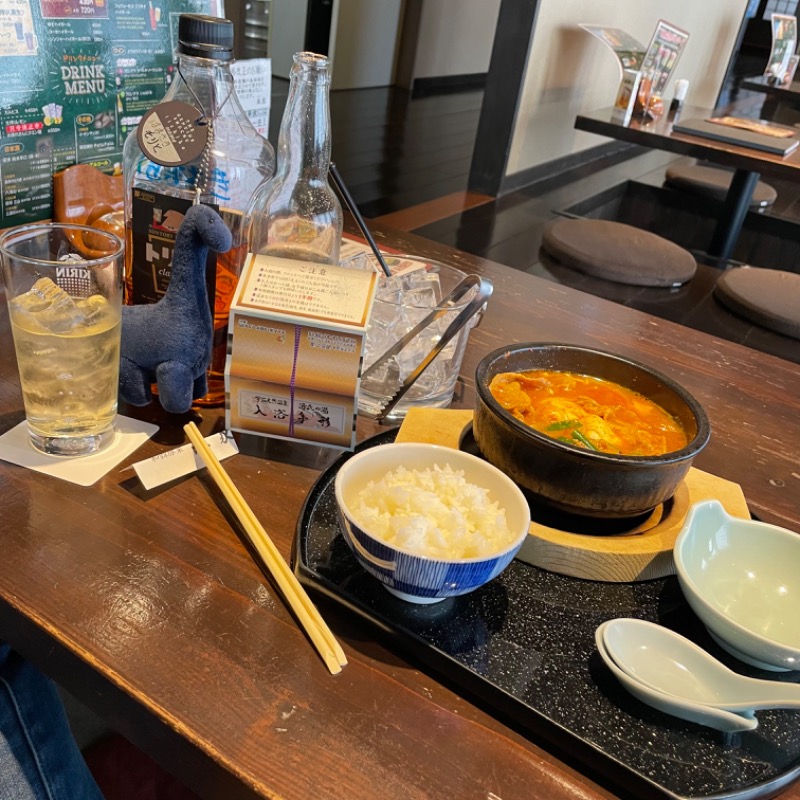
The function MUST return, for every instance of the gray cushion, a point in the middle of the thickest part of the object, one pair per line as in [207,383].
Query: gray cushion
[618,252]
[767,297]
[711,182]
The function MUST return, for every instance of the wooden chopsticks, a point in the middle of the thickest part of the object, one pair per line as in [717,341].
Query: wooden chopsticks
[305,611]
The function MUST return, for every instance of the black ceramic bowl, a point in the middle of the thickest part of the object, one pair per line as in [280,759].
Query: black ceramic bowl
[572,479]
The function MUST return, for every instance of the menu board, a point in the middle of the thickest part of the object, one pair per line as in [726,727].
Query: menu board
[77,77]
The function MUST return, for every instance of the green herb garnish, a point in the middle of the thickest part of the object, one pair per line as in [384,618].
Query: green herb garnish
[578,436]
[561,426]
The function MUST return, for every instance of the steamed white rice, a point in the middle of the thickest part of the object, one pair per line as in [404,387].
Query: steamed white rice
[434,513]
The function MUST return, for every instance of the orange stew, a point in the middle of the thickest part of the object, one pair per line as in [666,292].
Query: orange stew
[588,412]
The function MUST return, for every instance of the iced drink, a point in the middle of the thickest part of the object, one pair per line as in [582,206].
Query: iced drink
[68,358]
[63,286]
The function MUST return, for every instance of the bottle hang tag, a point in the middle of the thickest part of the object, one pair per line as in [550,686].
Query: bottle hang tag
[173,133]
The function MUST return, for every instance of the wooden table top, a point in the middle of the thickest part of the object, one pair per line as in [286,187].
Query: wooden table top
[148,608]
[658,134]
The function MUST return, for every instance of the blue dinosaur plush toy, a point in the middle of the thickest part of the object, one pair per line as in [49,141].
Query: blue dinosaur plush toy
[169,342]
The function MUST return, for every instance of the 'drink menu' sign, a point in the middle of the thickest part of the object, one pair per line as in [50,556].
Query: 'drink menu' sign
[296,339]
[77,76]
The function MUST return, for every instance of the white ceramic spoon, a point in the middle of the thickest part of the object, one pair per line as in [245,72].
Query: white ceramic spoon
[668,662]
[725,721]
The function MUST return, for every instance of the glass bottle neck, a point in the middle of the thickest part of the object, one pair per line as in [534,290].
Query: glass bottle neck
[304,141]
[204,82]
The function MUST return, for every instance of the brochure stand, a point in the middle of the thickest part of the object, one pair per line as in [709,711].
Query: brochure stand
[782,59]
[644,72]
[629,51]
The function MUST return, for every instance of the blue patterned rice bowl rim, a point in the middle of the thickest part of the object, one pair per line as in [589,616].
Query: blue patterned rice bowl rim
[422,576]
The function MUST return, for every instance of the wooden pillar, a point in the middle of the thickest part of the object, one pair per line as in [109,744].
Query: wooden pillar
[513,36]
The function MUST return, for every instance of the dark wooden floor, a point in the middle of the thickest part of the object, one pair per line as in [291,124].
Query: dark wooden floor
[398,154]
[510,230]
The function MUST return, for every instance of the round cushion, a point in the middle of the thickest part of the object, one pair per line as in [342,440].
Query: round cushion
[618,252]
[767,297]
[711,182]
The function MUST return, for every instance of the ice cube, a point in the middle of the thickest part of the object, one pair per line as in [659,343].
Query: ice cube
[379,341]
[383,314]
[426,282]
[26,320]
[411,356]
[95,309]
[421,297]
[60,319]
[390,290]
[51,306]
[51,293]
[34,300]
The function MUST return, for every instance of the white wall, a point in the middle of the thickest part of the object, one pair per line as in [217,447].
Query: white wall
[569,71]
[364,43]
[287,20]
[455,37]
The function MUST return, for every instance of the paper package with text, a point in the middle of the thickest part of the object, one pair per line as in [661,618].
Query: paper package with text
[295,349]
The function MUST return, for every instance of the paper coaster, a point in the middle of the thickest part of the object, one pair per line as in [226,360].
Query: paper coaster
[16,447]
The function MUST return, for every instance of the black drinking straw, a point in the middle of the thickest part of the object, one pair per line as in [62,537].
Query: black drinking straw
[352,208]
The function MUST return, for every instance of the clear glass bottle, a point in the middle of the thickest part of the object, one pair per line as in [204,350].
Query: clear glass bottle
[296,214]
[223,161]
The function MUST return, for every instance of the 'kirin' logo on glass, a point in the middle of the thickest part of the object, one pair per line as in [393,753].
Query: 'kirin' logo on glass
[76,281]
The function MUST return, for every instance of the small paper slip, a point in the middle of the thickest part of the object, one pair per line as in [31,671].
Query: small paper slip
[356,253]
[176,463]
[252,78]
[15,446]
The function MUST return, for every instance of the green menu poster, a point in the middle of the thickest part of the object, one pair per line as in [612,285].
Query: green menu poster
[77,76]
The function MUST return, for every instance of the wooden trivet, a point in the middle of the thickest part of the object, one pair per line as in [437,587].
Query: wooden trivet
[640,554]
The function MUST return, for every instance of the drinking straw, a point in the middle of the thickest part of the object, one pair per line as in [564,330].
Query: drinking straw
[353,209]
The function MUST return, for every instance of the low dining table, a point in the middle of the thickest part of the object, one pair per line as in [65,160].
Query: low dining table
[788,92]
[148,608]
[748,163]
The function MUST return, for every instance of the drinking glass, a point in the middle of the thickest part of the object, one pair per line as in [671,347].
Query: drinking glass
[63,286]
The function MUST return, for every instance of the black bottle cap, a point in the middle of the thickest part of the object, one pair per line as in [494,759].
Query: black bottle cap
[205,37]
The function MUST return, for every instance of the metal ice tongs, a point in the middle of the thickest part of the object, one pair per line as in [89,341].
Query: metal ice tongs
[482,295]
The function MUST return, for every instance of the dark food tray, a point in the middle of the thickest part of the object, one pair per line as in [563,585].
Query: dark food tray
[523,647]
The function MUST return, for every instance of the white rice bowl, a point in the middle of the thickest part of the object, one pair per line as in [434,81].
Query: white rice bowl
[429,522]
